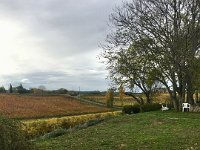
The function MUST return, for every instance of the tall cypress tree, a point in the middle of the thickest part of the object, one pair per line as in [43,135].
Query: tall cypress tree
[10,89]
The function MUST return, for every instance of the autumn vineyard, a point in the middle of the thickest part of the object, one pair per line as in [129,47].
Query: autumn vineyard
[41,114]
[20,106]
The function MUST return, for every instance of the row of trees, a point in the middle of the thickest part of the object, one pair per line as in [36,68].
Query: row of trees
[156,43]
[40,90]
[110,96]
[19,89]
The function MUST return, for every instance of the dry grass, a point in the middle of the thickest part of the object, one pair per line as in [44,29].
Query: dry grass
[158,98]
[162,98]
[17,106]
[117,102]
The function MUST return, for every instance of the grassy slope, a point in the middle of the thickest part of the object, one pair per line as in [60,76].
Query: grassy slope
[154,130]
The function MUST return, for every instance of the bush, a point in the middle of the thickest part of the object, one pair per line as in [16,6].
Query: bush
[127,109]
[150,107]
[11,136]
[131,109]
[109,98]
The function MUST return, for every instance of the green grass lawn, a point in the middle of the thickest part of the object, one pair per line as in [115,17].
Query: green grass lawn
[153,130]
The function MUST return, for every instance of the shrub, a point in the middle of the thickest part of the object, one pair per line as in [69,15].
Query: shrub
[136,109]
[109,98]
[127,109]
[131,109]
[150,107]
[11,136]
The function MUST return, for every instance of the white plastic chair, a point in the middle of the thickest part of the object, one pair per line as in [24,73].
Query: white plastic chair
[186,107]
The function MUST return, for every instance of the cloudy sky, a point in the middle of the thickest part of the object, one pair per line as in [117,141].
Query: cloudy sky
[53,43]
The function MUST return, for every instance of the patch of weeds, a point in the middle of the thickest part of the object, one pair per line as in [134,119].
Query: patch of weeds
[55,133]
[61,131]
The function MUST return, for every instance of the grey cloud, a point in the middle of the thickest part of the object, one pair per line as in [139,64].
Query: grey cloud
[68,34]
[70,26]
[55,80]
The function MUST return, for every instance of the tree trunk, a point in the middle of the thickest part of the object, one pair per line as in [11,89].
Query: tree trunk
[149,98]
[190,91]
[173,97]
[176,104]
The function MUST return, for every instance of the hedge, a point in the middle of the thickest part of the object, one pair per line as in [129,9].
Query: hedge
[133,109]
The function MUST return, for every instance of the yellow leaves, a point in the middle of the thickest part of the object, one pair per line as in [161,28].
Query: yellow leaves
[110,98]
[39,127]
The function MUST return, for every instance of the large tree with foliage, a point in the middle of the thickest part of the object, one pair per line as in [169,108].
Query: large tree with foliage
[164,36]
[129,67]
[2,89]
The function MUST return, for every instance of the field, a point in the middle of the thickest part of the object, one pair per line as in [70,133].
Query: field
[127,100]
[17,106]
[101,99]
[144,131]
[152,130]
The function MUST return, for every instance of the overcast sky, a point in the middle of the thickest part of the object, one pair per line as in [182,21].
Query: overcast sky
[54,43]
